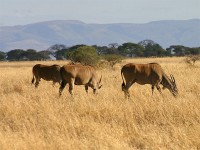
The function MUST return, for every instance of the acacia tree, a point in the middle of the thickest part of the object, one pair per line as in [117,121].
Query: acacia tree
[152,48]
[112,48]
[131,49]
[56,47]
[146,42]
[113,45]
[58,51]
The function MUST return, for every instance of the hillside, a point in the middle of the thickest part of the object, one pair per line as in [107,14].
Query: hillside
[41,35]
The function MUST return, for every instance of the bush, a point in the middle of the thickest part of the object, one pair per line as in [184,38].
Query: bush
[112,59]
[191,59]
[86,55]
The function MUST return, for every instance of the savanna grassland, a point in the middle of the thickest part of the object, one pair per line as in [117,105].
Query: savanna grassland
[38,119]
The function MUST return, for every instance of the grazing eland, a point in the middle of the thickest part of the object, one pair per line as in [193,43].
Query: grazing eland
[48,73]
[77,74]
[170,84]
[151,73]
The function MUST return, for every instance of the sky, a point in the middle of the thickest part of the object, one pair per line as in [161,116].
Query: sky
[22,12]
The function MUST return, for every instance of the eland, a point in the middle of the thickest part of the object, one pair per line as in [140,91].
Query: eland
[77,74]
[48,73]
[151,73]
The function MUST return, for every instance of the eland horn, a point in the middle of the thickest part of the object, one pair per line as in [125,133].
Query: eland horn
[100,79]
[172,78]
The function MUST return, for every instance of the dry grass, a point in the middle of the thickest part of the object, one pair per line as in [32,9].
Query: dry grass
[38,119]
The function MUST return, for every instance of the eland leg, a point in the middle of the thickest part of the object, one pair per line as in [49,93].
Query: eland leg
[159,89]
[127,94]
[37,83]
[126,87]
[158,86]
[152,87]
[94,91]
[62,86]
[86,88]
[71,86]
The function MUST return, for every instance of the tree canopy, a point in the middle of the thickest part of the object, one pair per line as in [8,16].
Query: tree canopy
[145,48]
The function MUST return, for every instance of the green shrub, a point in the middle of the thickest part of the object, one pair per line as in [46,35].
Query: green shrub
[86,55]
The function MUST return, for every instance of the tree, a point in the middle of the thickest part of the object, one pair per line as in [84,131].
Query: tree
[2,56]
[15,55]
[152,48]
[111,49]
[131,49]
[43,55]
[86,55]
[29,54]
[101,49]
[193,51]
[113,45]
[68,52]
[55,51]
[61,54]
[56,47]
[65,53]
[178,50]
[75,47]
[146,42]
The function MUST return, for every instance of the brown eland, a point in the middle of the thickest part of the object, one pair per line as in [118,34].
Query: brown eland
[151,73]
[48,73]
[77,74]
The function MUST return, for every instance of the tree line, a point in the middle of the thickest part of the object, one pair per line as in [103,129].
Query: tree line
[145,48]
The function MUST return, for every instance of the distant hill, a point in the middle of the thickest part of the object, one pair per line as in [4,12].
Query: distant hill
[42,35]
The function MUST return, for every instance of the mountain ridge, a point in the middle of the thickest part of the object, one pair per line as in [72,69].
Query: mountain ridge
[42,35]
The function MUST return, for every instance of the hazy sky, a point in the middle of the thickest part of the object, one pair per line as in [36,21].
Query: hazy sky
[20,12]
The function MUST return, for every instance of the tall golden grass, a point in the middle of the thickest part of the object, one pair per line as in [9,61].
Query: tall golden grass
[38,119]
